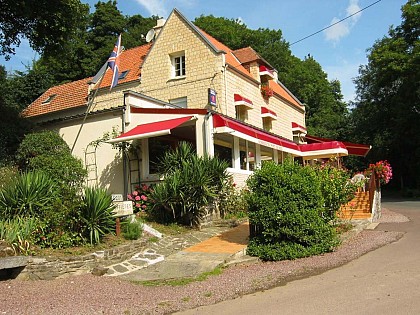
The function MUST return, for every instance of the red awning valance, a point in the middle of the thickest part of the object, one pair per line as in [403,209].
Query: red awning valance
[154,129]
[265,112]
[352,148]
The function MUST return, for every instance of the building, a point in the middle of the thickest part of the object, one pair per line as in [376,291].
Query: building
[182,86]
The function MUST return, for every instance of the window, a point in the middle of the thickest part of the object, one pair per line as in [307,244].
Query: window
[123,74]
[157,149]
[241,113]
[267,124]
[178,65]
[180,101]
[49,99]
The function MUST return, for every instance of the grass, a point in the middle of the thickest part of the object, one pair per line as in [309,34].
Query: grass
[182,281]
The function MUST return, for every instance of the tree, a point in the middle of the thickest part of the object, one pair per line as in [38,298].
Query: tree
[387,108]
[47,24]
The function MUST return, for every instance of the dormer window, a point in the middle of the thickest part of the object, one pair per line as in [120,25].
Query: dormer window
[49,99]
[178,65]
[123,74]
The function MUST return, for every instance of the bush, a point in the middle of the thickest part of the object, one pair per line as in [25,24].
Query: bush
[7,174]
[285,204]
[190,183]
[336,188]
[232,201]
[48,152]
[132,230]
[96,214]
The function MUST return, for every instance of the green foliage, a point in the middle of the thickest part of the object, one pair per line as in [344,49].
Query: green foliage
[336,189]
[96,214]
[7,174]
[48,152]
[29,194]
[232,201]
[132,230]
[18,233]
[285,203]
[190,183]
[387,108]
[46,24]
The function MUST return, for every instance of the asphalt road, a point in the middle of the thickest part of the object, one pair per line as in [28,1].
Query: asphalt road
[385,281]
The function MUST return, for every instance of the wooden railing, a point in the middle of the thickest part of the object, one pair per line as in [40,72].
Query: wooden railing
[373,186]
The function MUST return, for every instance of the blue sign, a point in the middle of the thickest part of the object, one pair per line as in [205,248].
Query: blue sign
[212,97]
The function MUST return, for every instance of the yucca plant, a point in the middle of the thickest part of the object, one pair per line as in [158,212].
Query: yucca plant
[29,194]
[190,183]
[96,213]
[18,233]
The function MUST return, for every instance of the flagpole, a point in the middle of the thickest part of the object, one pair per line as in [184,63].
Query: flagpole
[90,103]
[111,63]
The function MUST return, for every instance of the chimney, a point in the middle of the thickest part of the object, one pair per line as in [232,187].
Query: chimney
[159,24]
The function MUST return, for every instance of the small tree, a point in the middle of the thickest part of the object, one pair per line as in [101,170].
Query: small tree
[285,204]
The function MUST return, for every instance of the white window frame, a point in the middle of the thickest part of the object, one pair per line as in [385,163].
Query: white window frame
[178,65]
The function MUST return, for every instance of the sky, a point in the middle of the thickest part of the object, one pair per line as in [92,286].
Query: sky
[340,49]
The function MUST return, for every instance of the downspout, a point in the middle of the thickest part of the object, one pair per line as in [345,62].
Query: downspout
[206,133]
[125,175]
[225,83]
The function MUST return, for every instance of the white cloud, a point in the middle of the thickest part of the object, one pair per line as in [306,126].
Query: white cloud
[338,31]
[162,8]
[154,7]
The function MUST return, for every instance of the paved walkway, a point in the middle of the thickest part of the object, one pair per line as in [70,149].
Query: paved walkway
[186,256]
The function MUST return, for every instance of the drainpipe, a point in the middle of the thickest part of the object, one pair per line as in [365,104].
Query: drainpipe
[206,134]
[125,175]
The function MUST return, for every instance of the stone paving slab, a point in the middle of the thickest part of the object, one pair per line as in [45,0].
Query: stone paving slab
[165,258]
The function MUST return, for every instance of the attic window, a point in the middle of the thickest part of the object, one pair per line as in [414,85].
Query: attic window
[49,99]
[123,74]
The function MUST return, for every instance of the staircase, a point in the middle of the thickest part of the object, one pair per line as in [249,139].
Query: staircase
[358,208]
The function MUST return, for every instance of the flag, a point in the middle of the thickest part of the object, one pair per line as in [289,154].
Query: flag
[113,62]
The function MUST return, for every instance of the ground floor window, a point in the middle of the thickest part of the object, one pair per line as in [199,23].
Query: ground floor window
[224,153]
[157,148]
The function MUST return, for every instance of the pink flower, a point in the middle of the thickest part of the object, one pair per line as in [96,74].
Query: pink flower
[135,193]
[143,197]
[143,206]
[129,197]
[138,205]
[137,198]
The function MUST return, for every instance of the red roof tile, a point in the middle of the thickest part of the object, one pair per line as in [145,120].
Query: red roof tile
[246,54]
[74,94]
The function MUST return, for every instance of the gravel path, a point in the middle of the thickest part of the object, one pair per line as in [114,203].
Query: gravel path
[88,294]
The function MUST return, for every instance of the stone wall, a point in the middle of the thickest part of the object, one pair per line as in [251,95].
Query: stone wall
[47,268]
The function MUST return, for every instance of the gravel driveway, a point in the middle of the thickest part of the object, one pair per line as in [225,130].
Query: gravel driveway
[88,294]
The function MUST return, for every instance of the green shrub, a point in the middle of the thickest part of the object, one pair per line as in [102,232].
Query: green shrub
[336,189]
[29,194]
[132,230]
[285,204]
[48,152]
[190,183]
[96,214]
[232,201]
[18,233]
[7,174]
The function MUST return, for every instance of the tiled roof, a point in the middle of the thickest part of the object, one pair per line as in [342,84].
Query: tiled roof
[68,95]
[231,60]
[246,54]
[278,89]
[74,94]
